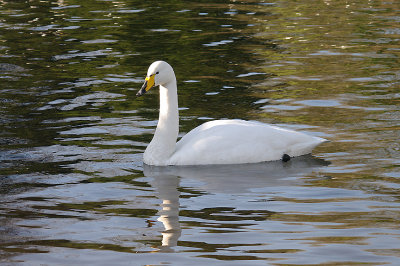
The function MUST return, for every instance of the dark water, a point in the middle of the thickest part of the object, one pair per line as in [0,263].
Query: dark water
[72,184]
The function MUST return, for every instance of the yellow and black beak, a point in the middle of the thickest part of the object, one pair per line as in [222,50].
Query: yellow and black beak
[148,84]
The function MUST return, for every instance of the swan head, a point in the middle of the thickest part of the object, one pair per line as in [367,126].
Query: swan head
[159,73]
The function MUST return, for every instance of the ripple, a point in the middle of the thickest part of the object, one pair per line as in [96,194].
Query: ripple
[85,131]
[11,68]
[65,7]
[281,107]
[122,79]
[130,11]
[363,79]
[212,93]
[320,103]
[365,54]
[98,97]
[250,74]
[91,54]
[223,42]
[99,41]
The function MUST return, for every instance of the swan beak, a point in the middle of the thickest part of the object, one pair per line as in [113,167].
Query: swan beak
[148,84]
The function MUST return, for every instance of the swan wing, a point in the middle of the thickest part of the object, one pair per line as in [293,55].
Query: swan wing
[239,141]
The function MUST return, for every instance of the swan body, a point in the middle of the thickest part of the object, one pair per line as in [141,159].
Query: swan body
[218,141]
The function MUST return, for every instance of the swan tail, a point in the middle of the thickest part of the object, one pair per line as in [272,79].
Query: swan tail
[305,147]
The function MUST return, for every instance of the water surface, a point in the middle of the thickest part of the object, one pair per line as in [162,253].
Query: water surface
[72,183]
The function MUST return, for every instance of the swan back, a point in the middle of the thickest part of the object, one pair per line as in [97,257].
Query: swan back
[239,141]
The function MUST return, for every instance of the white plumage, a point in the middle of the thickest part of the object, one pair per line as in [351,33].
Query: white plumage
[218,141]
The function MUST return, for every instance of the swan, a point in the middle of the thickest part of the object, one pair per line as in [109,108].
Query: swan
[215,142]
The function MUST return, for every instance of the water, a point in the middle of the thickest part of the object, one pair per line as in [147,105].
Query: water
[73,187]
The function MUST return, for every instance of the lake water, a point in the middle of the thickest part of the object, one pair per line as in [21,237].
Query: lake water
[73,187]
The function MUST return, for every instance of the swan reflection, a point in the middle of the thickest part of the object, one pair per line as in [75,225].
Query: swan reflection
[167,187]
[226,179]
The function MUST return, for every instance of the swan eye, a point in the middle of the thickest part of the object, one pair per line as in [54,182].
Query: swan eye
[158,72]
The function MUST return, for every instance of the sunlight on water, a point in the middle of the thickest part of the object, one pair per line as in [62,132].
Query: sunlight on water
[73,187]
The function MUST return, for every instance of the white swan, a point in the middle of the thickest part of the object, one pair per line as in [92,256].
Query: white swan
[218,141]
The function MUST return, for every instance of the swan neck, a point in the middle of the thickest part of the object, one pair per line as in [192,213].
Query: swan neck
[163,143]
[168,103]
